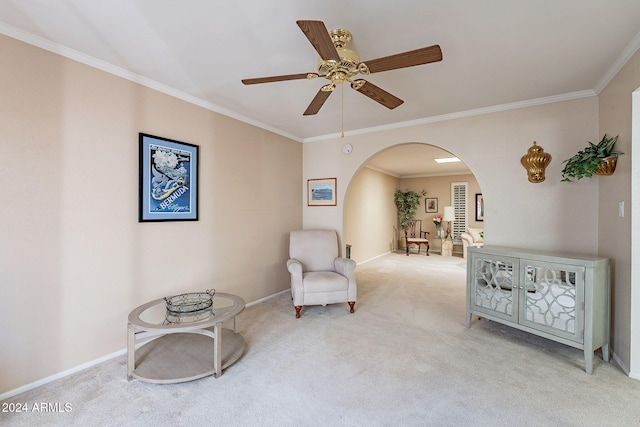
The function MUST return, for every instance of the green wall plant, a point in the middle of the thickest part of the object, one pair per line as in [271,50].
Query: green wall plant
[586,162]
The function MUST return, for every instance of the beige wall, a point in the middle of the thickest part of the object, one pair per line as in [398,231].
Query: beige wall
[545,216]
[615,232]
[73,258]
[370,215]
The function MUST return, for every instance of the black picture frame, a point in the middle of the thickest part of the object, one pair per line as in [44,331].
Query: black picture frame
[431,205]
[479,207]
[168,179]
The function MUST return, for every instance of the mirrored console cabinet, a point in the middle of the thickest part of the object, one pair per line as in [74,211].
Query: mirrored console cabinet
[561,297]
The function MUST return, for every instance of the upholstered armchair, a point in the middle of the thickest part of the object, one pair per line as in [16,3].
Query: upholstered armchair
[473,237]
[318,275]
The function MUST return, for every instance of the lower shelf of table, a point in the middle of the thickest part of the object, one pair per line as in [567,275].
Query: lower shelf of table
[181,357]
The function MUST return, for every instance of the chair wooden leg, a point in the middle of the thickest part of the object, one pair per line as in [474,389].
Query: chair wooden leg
[298,308]
[406,241]
[351,304]
[427,248]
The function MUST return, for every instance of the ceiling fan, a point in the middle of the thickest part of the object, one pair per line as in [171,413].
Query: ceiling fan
[340,65]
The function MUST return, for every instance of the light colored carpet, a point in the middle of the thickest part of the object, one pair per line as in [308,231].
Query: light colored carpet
[404,358]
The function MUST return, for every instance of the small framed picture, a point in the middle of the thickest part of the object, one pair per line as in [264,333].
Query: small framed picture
[321,192]
[479,207]
[168,180]
[431,205]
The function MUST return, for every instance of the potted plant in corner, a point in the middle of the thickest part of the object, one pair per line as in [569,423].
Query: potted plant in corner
[407,203]
[598,159]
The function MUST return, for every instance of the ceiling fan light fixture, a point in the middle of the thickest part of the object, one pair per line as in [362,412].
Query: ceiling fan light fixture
[347,67]
[348,55]
[357,84]
[339,65]
[340,37]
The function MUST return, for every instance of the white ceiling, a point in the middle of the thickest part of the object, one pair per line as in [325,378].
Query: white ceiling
[415,160]
[495,53]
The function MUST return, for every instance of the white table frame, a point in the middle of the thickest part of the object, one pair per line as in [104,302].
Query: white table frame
[161,342]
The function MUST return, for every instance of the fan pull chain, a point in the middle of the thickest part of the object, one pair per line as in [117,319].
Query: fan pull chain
[342,124]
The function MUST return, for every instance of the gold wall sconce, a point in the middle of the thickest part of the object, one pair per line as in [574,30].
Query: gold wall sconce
[535,162]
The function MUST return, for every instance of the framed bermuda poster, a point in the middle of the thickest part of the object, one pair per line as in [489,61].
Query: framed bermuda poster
[168,180]
[321,192]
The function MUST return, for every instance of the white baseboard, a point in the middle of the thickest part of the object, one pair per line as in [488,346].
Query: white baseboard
[371,259]
[59,375]
[267,297]
[622,365]
[43,381]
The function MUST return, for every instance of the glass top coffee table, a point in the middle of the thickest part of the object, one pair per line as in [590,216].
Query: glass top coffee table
[167,347]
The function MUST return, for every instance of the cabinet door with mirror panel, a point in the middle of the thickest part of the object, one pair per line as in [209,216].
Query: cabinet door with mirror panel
[553,301]
[491,290]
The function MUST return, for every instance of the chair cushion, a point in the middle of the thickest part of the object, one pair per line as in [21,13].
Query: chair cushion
[324,281]
[475,233]
[417,240]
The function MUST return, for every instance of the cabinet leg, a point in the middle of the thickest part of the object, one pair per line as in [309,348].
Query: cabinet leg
[469,315]
[588,361]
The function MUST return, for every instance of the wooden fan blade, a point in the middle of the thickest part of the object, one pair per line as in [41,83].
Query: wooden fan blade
[412,58]
[319,37]
[317,102]
[275,79]
[377,94]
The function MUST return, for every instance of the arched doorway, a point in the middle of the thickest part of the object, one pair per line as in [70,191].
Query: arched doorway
[370,216]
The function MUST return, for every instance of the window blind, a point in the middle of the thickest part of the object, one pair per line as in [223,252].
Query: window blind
[459,203]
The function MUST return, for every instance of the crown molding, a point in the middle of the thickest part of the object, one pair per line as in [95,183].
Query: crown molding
[615,68]
[382,171]
[91,61]
[421,175]
[462,114]
[436,174]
